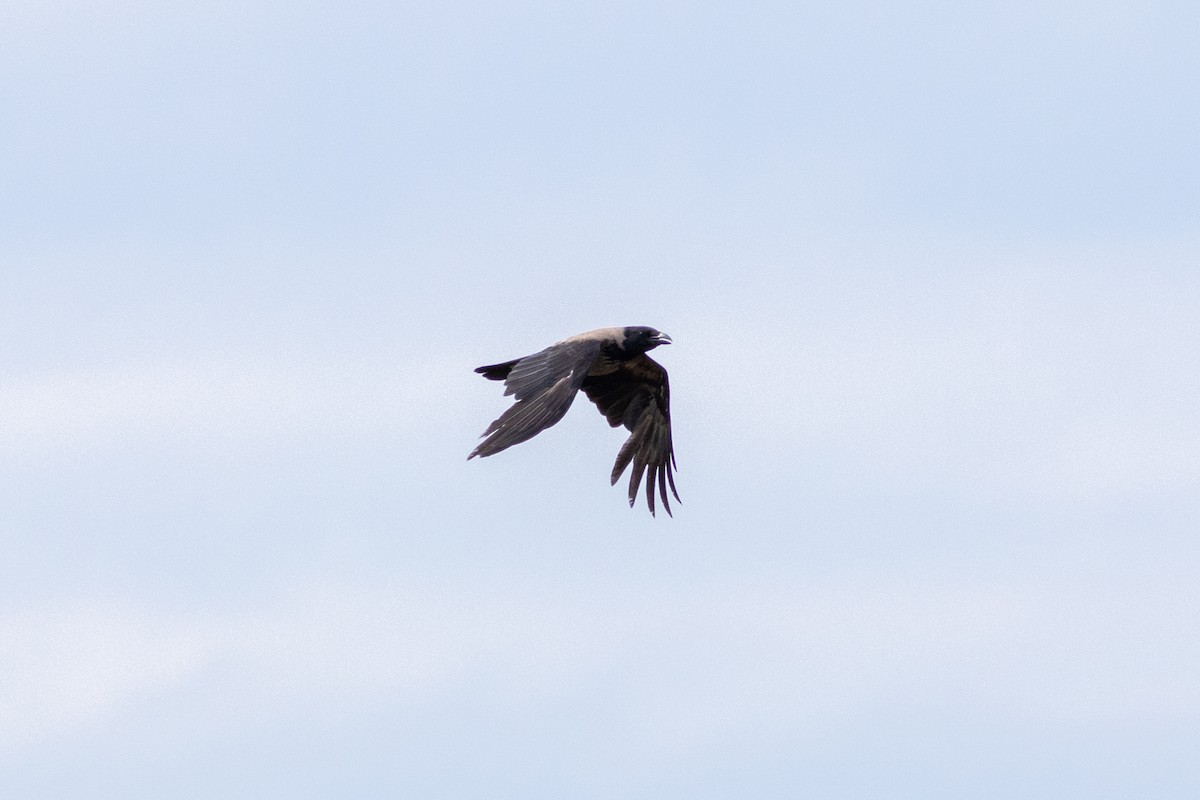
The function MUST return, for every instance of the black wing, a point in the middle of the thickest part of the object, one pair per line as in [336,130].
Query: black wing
[638,396]
[544,386]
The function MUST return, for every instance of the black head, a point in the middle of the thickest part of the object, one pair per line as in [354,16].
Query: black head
[639,339]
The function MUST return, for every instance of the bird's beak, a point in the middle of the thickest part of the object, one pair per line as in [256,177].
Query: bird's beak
[662,338]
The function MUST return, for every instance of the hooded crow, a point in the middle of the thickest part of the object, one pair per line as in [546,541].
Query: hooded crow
[612,368]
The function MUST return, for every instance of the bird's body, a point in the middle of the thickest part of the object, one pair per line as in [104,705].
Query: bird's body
[610,365]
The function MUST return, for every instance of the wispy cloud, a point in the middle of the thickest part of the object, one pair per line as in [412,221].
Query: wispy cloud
[226,397]
[691,670]
[1053,378]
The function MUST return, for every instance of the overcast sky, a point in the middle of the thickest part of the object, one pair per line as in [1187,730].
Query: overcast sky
[932,271]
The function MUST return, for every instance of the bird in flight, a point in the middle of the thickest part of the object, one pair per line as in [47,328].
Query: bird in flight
[612,368]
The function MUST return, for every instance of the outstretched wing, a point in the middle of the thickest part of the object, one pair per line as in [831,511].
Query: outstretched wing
[636,394]
[543,385]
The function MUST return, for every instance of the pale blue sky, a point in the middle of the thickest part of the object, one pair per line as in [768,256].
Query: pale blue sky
[932,274]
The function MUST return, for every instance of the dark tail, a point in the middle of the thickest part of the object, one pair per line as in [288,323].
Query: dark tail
[497,372]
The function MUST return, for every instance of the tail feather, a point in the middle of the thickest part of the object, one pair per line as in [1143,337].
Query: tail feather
[497,372]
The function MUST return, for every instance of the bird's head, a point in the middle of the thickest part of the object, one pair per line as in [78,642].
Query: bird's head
[639,339]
